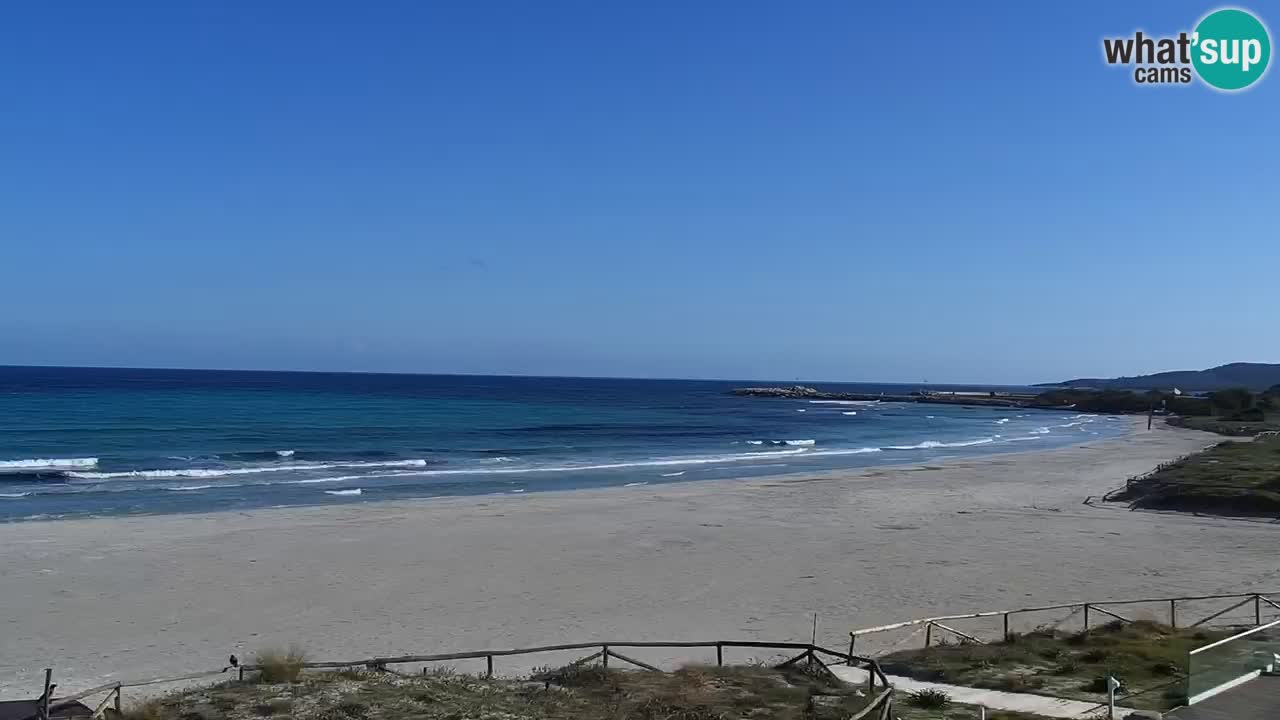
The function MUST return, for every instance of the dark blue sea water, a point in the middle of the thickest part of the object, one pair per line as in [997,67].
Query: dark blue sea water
[88,441]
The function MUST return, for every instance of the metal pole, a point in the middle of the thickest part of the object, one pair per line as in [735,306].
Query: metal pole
[1111,697]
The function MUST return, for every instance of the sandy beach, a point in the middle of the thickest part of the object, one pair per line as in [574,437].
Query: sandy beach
[135,597]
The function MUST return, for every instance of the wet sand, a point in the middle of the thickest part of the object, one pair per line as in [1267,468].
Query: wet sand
[124,598]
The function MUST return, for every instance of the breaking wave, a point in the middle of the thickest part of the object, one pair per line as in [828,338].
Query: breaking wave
[48,463]
[250,470]
[927,444]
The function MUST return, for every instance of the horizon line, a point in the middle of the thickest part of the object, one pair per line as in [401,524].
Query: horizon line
[796,381]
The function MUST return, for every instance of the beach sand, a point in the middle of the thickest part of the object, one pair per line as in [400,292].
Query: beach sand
[125,598]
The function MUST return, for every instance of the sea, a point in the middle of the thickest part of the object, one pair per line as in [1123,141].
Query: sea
[83,442]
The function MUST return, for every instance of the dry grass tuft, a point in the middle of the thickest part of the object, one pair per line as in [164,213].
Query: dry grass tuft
[279,666]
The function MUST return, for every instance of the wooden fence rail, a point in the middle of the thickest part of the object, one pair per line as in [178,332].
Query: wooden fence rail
[604,651]
[929,623]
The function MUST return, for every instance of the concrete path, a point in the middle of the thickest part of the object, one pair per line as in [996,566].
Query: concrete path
[990,699]
[1255,700]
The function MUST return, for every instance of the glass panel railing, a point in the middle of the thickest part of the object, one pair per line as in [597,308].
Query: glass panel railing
[1216,666]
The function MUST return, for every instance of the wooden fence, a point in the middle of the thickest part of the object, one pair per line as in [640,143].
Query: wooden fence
[879,691]
[1259,601]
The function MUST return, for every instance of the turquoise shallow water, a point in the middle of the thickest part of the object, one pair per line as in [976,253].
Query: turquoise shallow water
[84,441]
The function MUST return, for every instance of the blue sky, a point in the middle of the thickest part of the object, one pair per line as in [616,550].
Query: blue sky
[823,190]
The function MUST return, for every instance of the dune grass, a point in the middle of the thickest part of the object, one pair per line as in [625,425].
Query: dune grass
[1149,659]
[1231,478]
[590,692]
[276,665]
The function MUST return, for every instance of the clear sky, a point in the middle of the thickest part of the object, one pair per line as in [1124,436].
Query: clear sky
[824,190]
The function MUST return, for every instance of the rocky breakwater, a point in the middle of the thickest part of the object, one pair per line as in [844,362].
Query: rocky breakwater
[803,392]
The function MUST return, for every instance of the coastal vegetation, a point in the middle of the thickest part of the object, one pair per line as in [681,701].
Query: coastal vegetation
[1231,478]
[1254,376]
[572,692]
[1148,658]
[1236,408]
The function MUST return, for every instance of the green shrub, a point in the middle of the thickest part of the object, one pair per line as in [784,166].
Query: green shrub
[930,699]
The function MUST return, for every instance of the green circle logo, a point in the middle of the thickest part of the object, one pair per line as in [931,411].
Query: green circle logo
[1232,49]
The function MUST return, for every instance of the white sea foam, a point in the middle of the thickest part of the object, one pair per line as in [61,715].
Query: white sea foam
[674,474]
[850,451]
[755,442]
[1020,439]
[285,453]
[799,442]
[518,491]
[501,459]
[927,444]
[850,412]
[190,487]
[14,496]
[48,463]
[662,462]
[1002,421]
[339,478]
[800,410]
[1041,431]
[250,470]
[929,417]
[353,491]
[638,484]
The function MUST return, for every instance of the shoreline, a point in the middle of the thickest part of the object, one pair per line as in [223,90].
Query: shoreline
[116,598]
[981,451]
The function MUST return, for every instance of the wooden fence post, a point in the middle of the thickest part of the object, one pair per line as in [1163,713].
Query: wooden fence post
[852,638]
[1257,610]
[719,654]
[1086,617]
[928,634]
[488,661]
[1173,614]
[604,656]
[1006,627]
[43,709]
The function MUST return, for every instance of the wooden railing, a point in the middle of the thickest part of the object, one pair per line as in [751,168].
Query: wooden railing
[879,690]
[1260,601]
